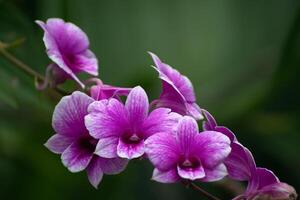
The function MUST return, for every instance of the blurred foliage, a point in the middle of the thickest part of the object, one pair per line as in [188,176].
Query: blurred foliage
[242,57]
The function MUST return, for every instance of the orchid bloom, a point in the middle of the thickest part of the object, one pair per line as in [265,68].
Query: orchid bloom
[73,141]
[188,154]
[68,47]
[177,91]
[122,129]
[262,183]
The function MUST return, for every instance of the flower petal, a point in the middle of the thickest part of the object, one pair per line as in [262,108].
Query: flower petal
[160,120]
[106,118]
[58,143]
[76,158]
[94,171]
[113,165]
[99,92]
[239,163]
[187,130]
[266,177]
[210,123]
[86,62]
[211,148]
[130,151]
[191,173]
[170,176]
[107,147]
[68,116]
[215,174]
[162,150]
[180,83]
[137,106]
[194,110]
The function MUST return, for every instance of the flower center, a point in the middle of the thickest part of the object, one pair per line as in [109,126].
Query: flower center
[189,163]
[131,138]
[88,143]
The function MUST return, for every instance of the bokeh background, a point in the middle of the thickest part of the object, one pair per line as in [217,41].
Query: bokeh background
[243,58]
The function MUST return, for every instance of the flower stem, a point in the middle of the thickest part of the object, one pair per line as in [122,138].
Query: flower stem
[199,189]
[29,71]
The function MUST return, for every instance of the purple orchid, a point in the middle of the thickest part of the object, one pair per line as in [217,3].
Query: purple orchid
[188,154]
[262,183]
[68,47]
[177,91]
[122,129]
[73,141]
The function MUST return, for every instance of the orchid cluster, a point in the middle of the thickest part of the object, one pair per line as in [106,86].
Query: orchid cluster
[96,131]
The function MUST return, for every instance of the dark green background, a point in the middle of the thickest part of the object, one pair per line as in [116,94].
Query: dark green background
[243,58]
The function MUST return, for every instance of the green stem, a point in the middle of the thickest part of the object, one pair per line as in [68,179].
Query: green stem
[28,70]
[199,189]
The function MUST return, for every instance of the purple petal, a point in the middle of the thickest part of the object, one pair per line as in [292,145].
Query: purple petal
[113,165]
[191,174]
[215,174]
[162,150]
[187,130]
[280,191]
[94,171]
[58,143]
[99,92]
[106,118]
[107,147]
[266,177]
[210,123]
[170,176]
[85,62]
[160,120]
[137,106]
[76,157]
[68,116]
[171,98]
[180,83]
[68,36]
[211,148]
[239,163]
[226,131]
[194,110]
[130,151]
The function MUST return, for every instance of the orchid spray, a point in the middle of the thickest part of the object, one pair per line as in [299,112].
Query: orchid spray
[96,131]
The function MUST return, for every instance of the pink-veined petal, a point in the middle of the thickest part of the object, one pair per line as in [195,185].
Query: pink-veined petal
[68,116]
[106,118]
[160,120]
[187,130]
[170,176]
[240,163]
[94,171]
[58,143]
[211,148]
[107,147]
[162,150]
[215,174]
[76,157]
[113,165]
[137,106]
